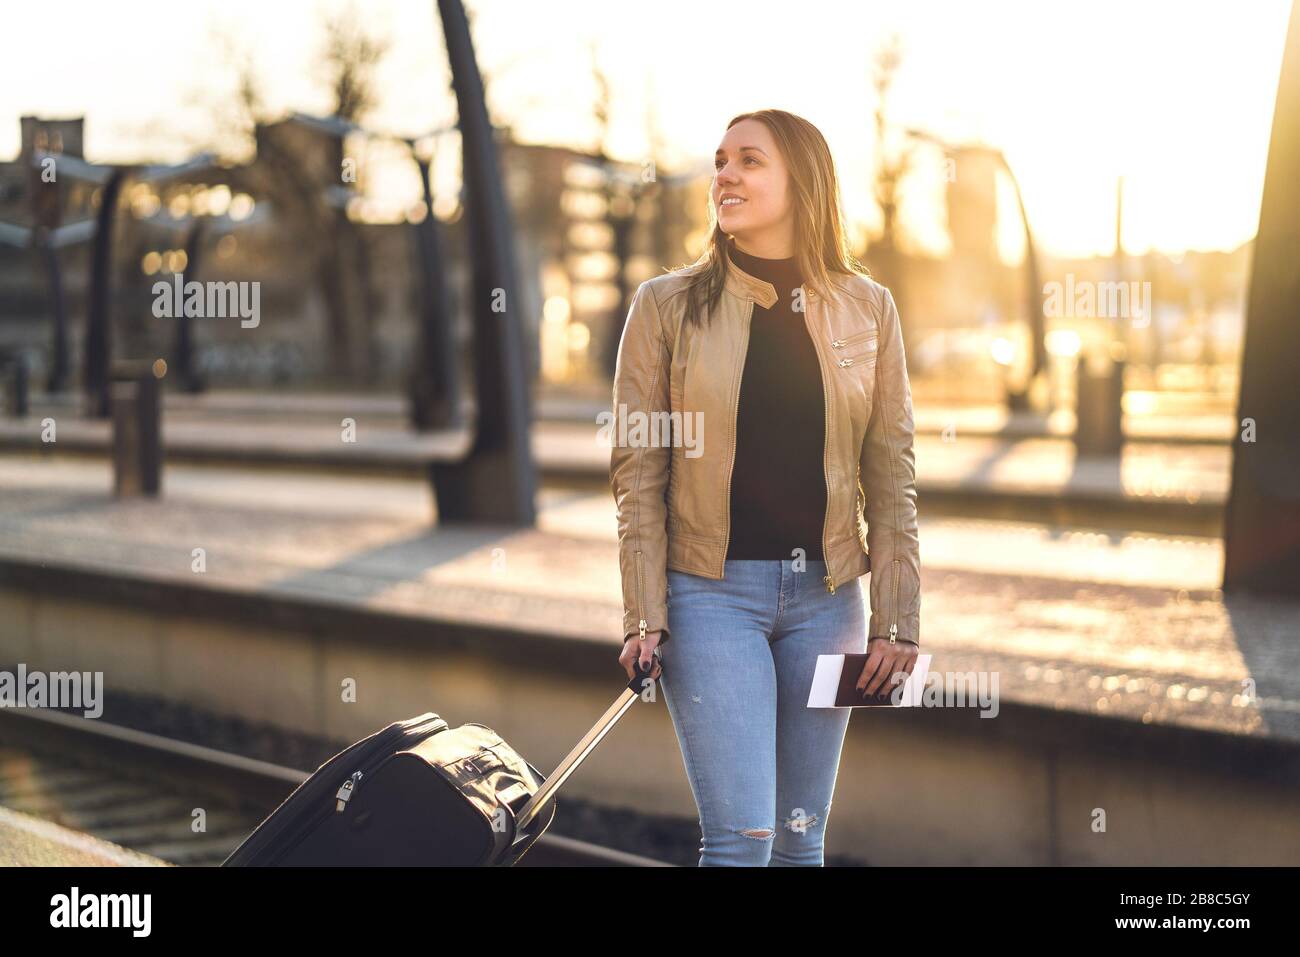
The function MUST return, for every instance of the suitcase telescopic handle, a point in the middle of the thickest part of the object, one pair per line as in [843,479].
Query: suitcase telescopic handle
[588,743]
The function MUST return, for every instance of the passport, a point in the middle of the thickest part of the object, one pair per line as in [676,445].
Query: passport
[834,682]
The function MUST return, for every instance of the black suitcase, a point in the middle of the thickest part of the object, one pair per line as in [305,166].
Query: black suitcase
[420,794]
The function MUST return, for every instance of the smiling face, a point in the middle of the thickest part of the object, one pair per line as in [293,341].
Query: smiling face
[751,191]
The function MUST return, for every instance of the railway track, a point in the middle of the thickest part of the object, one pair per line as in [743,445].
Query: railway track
[180,802]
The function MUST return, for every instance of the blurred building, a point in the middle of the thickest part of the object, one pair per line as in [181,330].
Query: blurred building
[24,290]
[337,263]
[338,292]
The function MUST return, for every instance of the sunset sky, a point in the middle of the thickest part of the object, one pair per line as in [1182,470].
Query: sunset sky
[1175,97]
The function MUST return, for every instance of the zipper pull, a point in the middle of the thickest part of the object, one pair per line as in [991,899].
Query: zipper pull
[345,793]
[642,627]
[830,585]
[893,629]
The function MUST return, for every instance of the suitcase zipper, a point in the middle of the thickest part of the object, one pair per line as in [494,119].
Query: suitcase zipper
[345,793]
[349,787]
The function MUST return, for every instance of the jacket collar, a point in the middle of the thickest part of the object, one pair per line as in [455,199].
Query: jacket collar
[742,284]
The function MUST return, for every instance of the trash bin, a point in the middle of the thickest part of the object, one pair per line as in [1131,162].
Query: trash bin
[1099,405]
[136,408]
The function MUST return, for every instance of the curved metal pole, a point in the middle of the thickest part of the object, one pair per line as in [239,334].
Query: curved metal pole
[99,340]
[1261,536]
[498,479]
[183,346]
[58,377]
[1034,289]
[435,379]
[47,209]
[1034,300]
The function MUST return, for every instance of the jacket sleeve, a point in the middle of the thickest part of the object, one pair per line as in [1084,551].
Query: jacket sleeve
[638,471]
[888,469]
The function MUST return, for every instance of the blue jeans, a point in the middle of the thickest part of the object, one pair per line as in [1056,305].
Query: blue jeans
[737,669]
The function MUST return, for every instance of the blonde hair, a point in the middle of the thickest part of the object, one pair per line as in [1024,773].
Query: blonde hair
[820,234]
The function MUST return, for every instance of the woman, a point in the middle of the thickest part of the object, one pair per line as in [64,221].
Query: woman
[761,398]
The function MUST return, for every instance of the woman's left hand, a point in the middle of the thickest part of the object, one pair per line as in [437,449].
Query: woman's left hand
[886,665]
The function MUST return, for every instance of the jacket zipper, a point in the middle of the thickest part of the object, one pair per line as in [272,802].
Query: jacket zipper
[840,343]
[849,360]
[735,417]
[829,579]
[893,627]
[893,481]
[640,597]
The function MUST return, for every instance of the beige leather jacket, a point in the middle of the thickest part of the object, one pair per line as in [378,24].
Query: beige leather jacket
[673,497]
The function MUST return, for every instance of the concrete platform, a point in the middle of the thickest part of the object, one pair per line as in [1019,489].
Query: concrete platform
[27,841]
[309,549]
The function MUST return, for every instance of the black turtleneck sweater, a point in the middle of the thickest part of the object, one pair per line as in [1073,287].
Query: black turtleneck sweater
[778,484]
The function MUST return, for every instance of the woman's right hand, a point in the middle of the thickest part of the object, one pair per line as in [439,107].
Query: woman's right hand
[635,648]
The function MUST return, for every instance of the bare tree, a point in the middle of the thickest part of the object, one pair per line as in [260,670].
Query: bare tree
[349,57]
[306,186]
[892,163]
